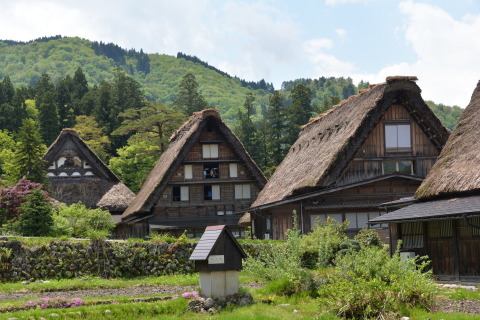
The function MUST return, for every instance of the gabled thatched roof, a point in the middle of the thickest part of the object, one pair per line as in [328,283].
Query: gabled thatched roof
[68,134]
[328,143]
[457,169]
[180,144]
[105,191]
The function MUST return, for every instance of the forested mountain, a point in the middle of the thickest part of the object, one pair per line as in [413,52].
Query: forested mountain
[126,103]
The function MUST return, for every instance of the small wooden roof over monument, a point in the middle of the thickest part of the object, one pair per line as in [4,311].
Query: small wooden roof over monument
[218,250]
[76,174]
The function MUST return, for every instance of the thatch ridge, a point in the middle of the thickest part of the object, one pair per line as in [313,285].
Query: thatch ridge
[327,144]
[457,170]
[180,144]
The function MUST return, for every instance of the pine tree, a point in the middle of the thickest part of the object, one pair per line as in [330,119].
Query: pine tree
[189,100]
[275,117]
[47,109]
[247,132]
[36,217]
[29,153]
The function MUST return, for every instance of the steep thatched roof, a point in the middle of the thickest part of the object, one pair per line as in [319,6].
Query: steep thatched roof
[457,169]
[180,144]
[328,143]
[104,191]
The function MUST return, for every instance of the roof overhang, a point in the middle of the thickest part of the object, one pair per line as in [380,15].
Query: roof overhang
[333,189]
[451,208]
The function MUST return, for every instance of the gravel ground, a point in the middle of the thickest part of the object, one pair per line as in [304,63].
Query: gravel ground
[445,305]
[107,292]
[459,306]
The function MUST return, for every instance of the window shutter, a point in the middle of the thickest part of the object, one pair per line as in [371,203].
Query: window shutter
[188,171]
[246,191]
[214,151]
[184,193]
[233,170]
[238,191]
[215,192]
[206,151]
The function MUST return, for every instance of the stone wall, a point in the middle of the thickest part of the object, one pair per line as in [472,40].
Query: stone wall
[70,259]
[66,259]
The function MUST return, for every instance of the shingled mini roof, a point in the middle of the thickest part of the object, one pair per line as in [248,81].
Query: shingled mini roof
[218,241]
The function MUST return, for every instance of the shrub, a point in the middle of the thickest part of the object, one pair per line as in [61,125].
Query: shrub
[368,238]
[324,241]
[369,283]
[87,222]
[282,264]
[36,215]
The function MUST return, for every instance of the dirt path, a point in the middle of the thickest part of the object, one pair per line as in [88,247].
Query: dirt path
[102,292]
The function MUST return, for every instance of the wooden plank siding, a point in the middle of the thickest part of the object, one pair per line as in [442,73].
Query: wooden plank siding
[367,162]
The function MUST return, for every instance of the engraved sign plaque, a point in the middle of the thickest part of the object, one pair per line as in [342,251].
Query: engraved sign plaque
[216,259]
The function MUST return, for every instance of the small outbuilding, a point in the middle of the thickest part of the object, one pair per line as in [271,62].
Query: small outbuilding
[218,258]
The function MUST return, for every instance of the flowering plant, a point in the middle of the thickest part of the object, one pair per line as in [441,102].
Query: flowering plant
[58,302]
[191,295]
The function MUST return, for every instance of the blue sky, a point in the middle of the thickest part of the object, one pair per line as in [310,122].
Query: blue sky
[438,41]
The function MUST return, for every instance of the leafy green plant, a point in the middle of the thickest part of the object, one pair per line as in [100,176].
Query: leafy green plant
[281,264]
[324,241]
[370,284]
[87,222]
[368,238]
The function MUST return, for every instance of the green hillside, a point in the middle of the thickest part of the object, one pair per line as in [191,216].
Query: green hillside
[26,62]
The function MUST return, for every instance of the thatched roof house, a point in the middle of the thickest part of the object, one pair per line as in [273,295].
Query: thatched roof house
[328,143]
[444,222]
[353,144]
[183,165]
[76,173]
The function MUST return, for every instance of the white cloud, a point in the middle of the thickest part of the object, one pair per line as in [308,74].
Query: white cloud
[341,32]
[325,64]
[447,53]
[335,2]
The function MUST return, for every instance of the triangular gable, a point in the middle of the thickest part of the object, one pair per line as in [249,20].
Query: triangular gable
[180,144]
[328,143]
[68,157]
[209,241]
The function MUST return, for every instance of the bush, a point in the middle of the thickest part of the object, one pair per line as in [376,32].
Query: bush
[369,283]
[87,222]
[36,215]
[324,241]
[368,238]
[281,264]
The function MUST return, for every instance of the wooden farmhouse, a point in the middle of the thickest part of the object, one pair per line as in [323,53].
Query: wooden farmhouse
[444,220]
[374,147]
[75,173]
[203,178]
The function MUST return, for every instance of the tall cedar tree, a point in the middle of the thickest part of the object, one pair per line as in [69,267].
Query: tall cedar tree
[189,100]
[64,102]
[29,153]
[7,109]
[36,217]
[79,90]
[299,112]
[247,132]
[47,109]
[275,117]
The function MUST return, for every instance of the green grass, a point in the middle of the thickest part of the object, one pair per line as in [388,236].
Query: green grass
[281,308]
[418,314]
[96,282]
[463,294]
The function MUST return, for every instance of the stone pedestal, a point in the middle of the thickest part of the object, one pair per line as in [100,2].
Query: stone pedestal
[218,284]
